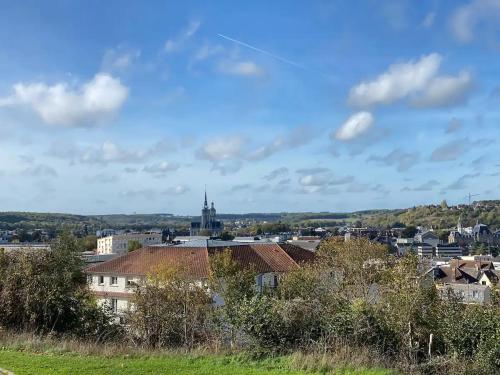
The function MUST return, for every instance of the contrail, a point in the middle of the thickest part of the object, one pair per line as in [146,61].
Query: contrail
[282,59]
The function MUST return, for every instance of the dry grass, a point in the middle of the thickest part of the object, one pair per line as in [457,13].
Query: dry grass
[338,358]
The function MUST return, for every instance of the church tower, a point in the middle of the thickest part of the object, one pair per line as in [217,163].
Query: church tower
[205,214]
[213,214]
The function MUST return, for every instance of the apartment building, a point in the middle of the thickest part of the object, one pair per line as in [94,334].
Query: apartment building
[118,244]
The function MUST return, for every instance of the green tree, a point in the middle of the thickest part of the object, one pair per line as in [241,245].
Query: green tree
[232,285]
[409,232]
[46,291]
[133,245]
[169,310]
[226,236]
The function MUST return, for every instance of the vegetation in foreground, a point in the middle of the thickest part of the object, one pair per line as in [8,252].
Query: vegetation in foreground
[36,363]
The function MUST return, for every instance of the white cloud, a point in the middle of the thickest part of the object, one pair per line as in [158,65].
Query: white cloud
[445,91]
[119,58]
[417,81]
[177,190]
[226,167]
[105,153]
[320,180]
[401,159]
[40,170]
[295,137]
[241,68]
[95,101]
[206,51]
[162,168]
[354,126]
[176,43]
[429,20]
[223,148]
[398,82]
[467,17]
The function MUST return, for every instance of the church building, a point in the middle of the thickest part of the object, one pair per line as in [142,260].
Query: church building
[209,223]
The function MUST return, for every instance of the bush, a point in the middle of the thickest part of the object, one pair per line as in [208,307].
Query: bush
[46,292]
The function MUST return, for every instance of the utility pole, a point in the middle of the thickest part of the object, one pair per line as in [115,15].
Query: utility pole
[470,196]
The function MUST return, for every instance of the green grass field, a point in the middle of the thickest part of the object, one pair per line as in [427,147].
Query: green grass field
[31,363]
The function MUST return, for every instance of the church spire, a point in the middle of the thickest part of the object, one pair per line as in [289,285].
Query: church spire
[206,203]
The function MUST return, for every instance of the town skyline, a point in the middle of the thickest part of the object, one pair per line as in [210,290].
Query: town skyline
[295,109]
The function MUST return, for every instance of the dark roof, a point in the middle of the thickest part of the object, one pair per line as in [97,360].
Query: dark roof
[493,275]
[481,229]
[462,271]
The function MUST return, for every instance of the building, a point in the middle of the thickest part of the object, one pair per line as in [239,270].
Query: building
[113,281]
[209,223]
[468,293]
[24,246]
[424,249]
[118,244]
[465,279]
[490,278]
[450,250]
[429,237]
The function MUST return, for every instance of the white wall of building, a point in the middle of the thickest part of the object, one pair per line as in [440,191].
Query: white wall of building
[118,244]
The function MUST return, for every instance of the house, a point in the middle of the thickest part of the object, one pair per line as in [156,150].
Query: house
[113,281]
[469,293]
[464,277]
[429,237]
[118,244]
[490,278]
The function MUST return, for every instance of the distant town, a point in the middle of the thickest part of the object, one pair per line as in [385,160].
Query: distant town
[463,258]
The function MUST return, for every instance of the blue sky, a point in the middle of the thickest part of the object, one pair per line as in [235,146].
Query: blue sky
[122,107]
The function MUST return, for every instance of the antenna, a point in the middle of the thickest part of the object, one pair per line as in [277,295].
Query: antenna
[470,196]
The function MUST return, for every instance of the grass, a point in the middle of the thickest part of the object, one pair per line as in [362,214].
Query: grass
[26,354]
[32,363]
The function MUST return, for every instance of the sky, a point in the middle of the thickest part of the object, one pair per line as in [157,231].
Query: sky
[131,106]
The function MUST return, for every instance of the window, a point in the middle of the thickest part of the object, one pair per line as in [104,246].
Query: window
[131,283]
[114,305]
[89,279]
[475,294]
[101,280]
[114,280]
[483,282]
[275,281]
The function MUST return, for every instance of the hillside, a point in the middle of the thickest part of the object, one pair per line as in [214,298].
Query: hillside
[437,216]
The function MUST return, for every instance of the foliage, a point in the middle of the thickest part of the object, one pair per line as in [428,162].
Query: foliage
[409,232]
[169,310]
[232,285]
[357,264]
[88,243]
[226,236]
[133,245]
[46,291]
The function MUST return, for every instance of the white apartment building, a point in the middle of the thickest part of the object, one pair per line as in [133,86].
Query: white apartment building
[118,244]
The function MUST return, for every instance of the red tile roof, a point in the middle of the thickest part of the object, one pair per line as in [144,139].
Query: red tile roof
[194,263]
[297,253]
